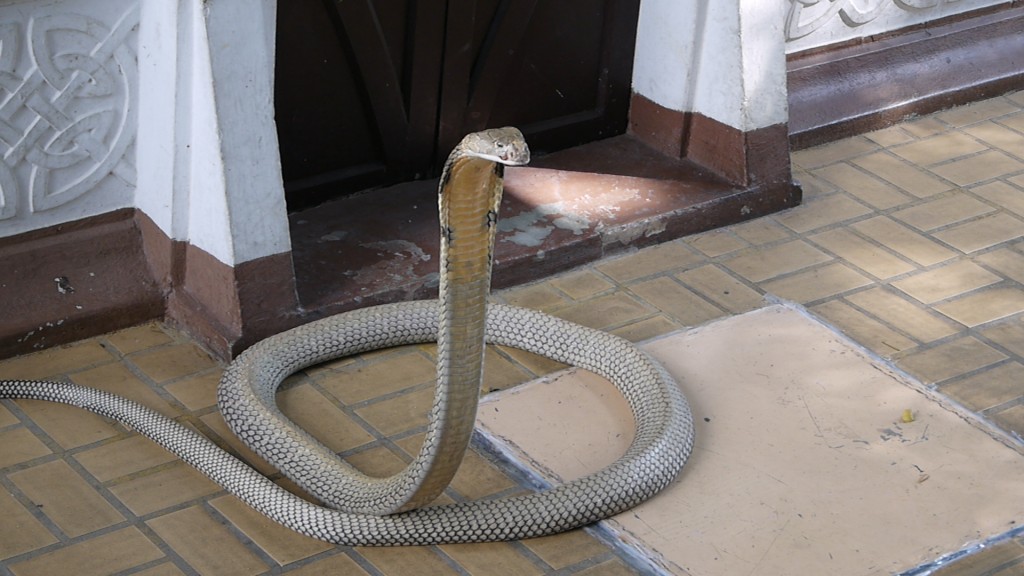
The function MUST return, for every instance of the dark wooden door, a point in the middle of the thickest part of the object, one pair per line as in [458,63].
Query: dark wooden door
[373,92]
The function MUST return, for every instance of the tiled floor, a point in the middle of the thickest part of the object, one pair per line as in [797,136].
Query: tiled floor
[910,240]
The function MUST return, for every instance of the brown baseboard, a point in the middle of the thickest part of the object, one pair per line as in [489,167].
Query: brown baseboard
[858,88]
[72,281]
[752,158]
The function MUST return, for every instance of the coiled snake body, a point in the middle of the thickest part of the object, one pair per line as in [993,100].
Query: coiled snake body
[363,510]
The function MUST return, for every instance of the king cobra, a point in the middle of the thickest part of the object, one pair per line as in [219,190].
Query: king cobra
[360,510]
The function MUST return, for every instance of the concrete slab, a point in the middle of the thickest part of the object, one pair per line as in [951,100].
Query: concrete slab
[803,461]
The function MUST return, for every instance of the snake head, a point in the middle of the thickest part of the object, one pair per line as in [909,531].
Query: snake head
[503,145]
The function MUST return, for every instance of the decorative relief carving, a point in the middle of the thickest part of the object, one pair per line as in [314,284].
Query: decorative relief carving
[807,16]
[67,107]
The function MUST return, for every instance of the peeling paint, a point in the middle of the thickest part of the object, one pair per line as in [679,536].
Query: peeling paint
[398,247]
[333,236]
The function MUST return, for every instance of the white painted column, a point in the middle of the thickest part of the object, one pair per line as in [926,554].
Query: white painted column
[724,59]
[210,171]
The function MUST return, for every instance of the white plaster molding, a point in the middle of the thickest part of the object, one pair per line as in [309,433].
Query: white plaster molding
[723,59]
[68,94]
[212,165]
[816,23]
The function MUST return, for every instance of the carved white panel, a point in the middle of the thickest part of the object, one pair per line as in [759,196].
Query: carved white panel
[68,91]
[815,23]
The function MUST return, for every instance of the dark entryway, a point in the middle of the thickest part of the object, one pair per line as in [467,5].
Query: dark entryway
[374,92]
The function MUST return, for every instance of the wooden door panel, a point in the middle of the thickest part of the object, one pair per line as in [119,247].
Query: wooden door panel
[372,92]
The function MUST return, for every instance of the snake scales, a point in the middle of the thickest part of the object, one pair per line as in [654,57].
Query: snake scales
[362,510]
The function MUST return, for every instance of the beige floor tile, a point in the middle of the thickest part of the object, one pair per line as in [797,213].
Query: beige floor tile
[20,445]
[1002,194]
[647,328]
[403,561]
[977,112]
[565,549]
[7,418]
[174,361]
[497,558]
[677,301]
[196,392]
[164,569]
[540,296]
[946,282]
[654,260]
[100,556]
[950,360]
[359,382]
[117,379]
[817,283]
[1003,559]
[907,177]
[123,457]
[762,231]
[605,311]
[66,498]
[20,532]
[763,264]
[866,331]
[943,211]
[378,461]
[998,136]
[1007,262]
[1011,419]
[974,169]
[863,254]
[812,186]
[337,564]
[582,284]
[1009,335]
[315,414]
[206,544]
[500,372]
[56,361]
[984,306]
[138,338]
[939,148]
[875,192]
[476,478]
[895,310]
[282,544]
[722,288]
[822,212]
[925,127]
[68,426]
[613,567]
[176,484]
[990,388]
[401,413]
[717,242]
[903,240]
[833,152]
[891,136]
[983,233]
[1015,121]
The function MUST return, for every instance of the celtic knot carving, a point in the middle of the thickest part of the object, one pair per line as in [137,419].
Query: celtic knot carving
[67,107]
[806,16]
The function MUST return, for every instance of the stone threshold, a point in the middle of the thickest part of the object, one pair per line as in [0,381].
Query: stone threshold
[564,210]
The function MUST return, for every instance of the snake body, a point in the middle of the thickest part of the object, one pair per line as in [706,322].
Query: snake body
[362,510]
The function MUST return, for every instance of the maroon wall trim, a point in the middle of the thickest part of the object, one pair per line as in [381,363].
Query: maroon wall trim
[742,158]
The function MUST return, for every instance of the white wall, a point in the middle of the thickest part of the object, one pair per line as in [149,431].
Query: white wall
[723,59]
[66,135]
[208,141]
[815,23]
